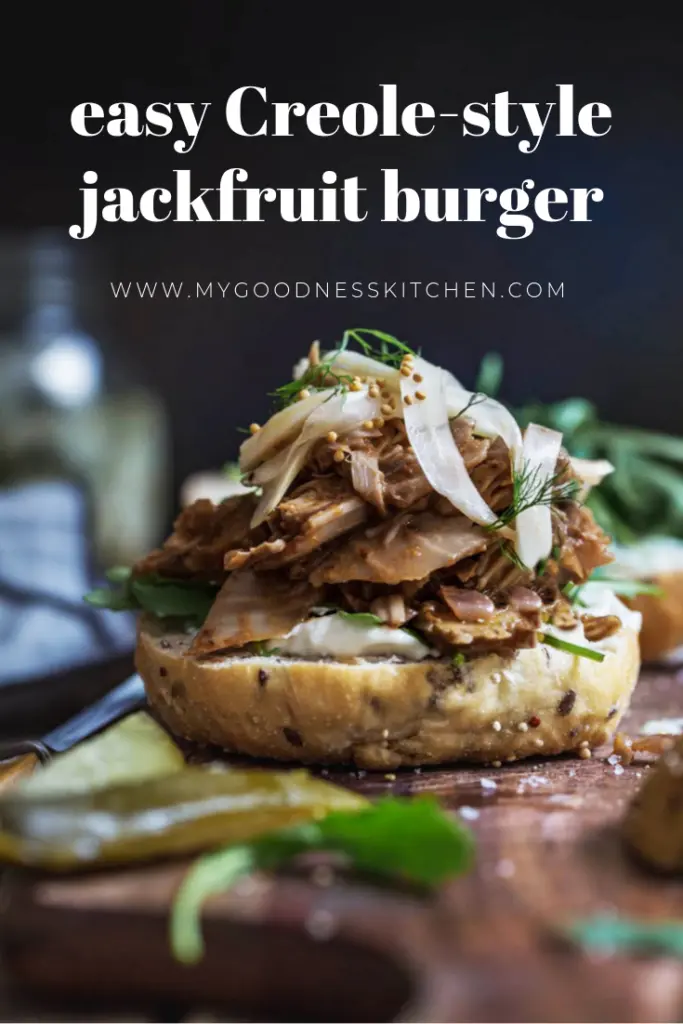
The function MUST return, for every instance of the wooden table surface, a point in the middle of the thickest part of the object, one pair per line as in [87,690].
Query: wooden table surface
[487,948]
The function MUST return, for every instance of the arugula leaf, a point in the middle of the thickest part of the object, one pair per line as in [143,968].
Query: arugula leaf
[165,598]
[114,600]
[174,599]
[409,839]
[118,574]
[565,645]
[628,935]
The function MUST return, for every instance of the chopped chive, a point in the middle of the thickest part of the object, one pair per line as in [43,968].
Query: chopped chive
[577,649]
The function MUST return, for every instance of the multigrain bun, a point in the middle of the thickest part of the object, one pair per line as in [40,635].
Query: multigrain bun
[658,561]
[662,630]
[383,714]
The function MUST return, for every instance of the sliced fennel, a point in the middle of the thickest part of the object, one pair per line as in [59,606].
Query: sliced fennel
[534,530]
[339,412]
[280,428]
[429,432]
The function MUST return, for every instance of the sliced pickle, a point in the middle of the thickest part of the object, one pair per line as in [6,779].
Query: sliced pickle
[184,812]
[133,750]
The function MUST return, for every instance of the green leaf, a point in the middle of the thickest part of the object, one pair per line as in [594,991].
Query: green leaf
[232,471]
[490,374]
[458,659]
[210,875]
[362,618]
[118,574]
[413,840]
[168,599]
[565,645]
[627,935]
[114,600]
[165,598]
[410,839]
[390,350]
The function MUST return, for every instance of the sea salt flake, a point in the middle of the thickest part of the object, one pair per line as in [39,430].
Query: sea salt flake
[488,784]
[505,869]
[320,925]
[618,770]
[468,813]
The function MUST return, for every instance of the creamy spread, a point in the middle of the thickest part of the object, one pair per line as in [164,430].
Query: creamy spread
[334,636]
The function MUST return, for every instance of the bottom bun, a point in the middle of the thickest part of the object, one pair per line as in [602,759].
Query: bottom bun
[662,630]
[382,714]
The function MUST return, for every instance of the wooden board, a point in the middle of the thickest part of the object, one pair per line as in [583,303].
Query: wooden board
[485,949]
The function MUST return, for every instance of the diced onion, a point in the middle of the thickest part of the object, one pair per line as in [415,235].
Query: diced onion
[341,413]
[534,528]
[429,432]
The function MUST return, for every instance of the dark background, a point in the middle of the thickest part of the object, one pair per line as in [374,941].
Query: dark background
[616,335]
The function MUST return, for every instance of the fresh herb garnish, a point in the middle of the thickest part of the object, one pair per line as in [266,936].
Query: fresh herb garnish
[362,618]
[233,472]
[316,377]
[389,351]
[319,376]
[572,591]
[458,659]
[508,551]
[609,935]
[565,645]
[530,488]
[165,598]
[412,840]
[260,648]
[476,399]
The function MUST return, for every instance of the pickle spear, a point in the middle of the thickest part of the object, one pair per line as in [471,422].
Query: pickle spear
[189,810]
[134,749]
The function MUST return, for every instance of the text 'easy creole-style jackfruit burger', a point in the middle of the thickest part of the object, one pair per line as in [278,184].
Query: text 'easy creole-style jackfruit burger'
[406,583]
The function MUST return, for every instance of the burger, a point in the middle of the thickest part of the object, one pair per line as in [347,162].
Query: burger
[406,580]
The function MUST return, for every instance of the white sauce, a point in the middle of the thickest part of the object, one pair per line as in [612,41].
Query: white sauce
[333,636]
[654,555]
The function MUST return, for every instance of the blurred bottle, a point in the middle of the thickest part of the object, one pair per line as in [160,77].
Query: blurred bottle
[70,410]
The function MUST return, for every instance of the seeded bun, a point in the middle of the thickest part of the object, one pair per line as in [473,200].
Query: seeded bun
[658,561]
[383,714]
[662,631]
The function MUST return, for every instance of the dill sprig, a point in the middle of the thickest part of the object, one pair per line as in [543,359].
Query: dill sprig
[322,375]
[389,349]
[530,489]
[509,552]
[476,399]
[316,377]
